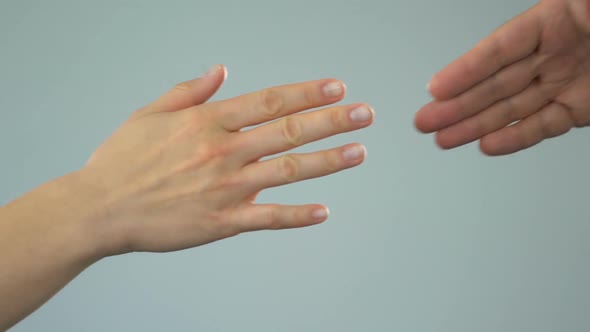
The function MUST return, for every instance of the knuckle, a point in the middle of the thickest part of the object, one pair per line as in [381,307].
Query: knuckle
[536,135]
[212,150]
[337,119]
[223,221]
[495,86]
[292,131]
[545,125]
[556,122]
[308,96]
[271,102]
[332,162]
[463,108]
[271,218]
[509,112]
[288,168]
[476,127]
[182,86]
[233,184]
[208,151]
[578,118]
[497,53]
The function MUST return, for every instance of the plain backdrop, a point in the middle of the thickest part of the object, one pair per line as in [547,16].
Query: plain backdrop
[419,239]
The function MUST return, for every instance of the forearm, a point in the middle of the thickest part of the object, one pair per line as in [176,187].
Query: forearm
[45,241]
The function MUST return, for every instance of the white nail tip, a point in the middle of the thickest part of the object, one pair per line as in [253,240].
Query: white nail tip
[334,89]
[213,70]
[354,153]
[320,213]
[360,114]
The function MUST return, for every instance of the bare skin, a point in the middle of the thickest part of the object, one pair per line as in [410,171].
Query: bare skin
[526,82]
[178,174]
[182,172]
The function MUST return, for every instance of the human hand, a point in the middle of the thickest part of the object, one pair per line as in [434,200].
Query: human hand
[176,176]
[526,82]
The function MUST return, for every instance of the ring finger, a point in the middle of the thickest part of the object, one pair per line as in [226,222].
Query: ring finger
[298,167]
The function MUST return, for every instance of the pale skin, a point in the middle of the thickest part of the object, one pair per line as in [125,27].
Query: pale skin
[180,173]
[526,82]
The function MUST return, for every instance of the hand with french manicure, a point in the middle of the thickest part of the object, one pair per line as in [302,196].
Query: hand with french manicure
[182,173]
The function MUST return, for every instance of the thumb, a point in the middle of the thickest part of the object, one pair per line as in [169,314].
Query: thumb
[189,93]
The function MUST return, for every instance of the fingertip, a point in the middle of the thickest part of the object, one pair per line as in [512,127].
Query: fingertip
[492,146]
[441,87]
[435,90]
[424,121]
[333,89]
[212,71]
[429,87]
[442,142]
[420,124]
[365,152]
[362,115]
[225,72]
[354,154]
[488,151]
[320,213]
[432,86]
[216,71]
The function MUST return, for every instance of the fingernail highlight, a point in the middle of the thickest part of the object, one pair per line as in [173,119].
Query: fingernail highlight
[354,152]
[213,70]
[333,89]
[360,114]
[320,214]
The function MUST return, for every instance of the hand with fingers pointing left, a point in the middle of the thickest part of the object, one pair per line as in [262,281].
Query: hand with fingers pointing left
[526,82]
[179,173]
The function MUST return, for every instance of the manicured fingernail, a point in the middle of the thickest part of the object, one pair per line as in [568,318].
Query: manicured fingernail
[360,114]
[333,89]
[213,70]
[354,152]
[320,214]
[429,87]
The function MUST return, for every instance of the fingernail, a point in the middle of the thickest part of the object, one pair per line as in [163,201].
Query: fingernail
[354,152]
[333,89]
[429,87]
[213,70]
[320,214]
[360,114]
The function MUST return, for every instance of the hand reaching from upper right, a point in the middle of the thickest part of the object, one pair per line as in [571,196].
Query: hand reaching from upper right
[526,82]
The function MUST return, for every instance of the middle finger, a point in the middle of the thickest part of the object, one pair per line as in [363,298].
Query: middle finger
[296,130]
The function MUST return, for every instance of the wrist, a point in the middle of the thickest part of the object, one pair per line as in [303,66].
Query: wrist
[91,213]
[47,237]
[69,212]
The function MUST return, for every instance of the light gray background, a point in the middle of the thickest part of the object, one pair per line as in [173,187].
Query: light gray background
[419,239]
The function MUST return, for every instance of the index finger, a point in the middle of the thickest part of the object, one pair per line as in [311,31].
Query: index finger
[511,43]
[272,103]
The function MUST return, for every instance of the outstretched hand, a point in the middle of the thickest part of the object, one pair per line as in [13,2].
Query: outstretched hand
[182,173]
[526,82]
